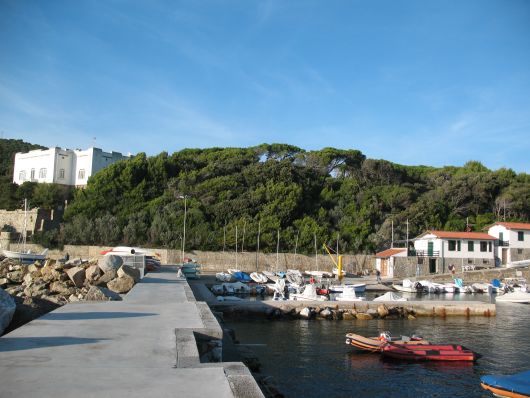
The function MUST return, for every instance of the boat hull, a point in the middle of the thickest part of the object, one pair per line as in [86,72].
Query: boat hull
[428,352]
[512,386]
[24,257]
[374,344]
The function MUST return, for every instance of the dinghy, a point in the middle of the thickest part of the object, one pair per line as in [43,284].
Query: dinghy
[258,277]
[409,287]
[428,352]
[270,275]
[224,277]
[348,294]
[374,344]
[359,287]
[309,293]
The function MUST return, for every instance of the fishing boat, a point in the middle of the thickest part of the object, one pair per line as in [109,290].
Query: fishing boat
[409,287]
[509,386]
[428,352]
[374,344]
[25,256]
[390,296]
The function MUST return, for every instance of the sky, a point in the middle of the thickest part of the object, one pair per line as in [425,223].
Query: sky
[411,81]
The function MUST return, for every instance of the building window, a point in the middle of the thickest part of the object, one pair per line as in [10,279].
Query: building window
[61,174]
[420,260]
[32,175]
[484,261]
[490,245]
[469,261]
[22,175]
[519,251]
[451,245]
[520,236]
[459,245]
[483,246]
[42,173]
[81,174]
[470,246]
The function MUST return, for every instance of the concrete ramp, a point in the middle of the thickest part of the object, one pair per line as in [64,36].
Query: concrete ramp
[145,345]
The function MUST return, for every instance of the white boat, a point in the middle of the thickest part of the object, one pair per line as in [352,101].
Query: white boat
[348,294]
[309,293]
[319,274]
[449,287]
[25,256]
[336,272]
[258,277]
[390,296]
[295,279]
[233,270]
[224,277]
[270,275]
[294,272]
[231,288]
[432,287]
[408,286]
[359,287]
[518,296]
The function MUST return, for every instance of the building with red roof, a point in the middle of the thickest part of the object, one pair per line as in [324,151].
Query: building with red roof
[513,241]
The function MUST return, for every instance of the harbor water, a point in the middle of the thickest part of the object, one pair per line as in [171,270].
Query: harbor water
[310,358]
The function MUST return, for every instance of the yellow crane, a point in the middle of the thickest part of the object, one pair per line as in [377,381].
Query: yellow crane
[337,263]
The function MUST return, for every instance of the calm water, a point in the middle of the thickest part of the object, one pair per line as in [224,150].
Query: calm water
[310,359]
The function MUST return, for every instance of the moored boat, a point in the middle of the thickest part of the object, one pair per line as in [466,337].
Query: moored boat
[359,287]
[510,386]
[26,257]
[374,344]
[409,287]
[518,296]
[390,296]
[348,294]
[428,352]
[258,277]
[309,293]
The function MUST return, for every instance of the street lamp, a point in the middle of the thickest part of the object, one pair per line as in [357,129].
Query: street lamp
[185,197]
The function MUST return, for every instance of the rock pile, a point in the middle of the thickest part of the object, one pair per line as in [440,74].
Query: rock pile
[60,283]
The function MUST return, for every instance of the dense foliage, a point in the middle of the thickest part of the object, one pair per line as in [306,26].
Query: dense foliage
[309,196]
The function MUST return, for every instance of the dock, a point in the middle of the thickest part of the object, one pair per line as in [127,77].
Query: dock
[159,342]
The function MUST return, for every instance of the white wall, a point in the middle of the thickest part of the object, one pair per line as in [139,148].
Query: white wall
[442,247]
[36,160]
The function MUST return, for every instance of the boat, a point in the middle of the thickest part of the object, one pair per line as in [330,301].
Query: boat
[258,277]
[242,276]
[319,274]
[231,288]
[294,278]
[432,287]
[390,296]
[233,270]
[517,264]
[270,275]
[510,386]
[409,287]
[281,274]
[224,277]
[428,352]
[25,256]
[229,298]
[348,294]
[374,344]
[294,272]
[359,287]
[152,259]
[518,296]
[309,293]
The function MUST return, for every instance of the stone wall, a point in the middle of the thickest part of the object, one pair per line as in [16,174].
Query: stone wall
[485,275]
[37,220]
[406,267]
[515,256]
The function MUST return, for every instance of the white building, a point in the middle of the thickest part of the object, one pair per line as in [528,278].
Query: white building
[62,166]
[385,260]
[513,241]
[461,249]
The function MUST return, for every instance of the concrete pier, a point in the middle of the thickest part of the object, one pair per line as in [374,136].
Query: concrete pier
[153,343]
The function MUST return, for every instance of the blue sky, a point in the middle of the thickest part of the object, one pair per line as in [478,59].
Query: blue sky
[414,82]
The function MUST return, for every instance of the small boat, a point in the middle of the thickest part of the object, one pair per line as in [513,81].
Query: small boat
[429,352]
[281,274]
[224,277]
[319,274]
[294,278]
[294,272]
[374,344]
[229,298]
[390,296]
[258,277]
[231,288]
[516,264]
[309,293]
[26,257]
[518,296]
[233,270]
[242,276]
[270,275]
[359,287]
[510,386]
[432,287]
[409,287]
[348,294]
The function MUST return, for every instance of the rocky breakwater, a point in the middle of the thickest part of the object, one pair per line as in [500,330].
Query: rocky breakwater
[37,289]
[322,312]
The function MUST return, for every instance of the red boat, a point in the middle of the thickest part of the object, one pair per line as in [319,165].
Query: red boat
[429,352]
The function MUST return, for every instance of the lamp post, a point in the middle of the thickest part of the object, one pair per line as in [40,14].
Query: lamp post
[185,197]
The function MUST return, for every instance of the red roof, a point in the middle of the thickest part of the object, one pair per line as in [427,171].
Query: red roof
[389,252]
[461,235]
[514,225]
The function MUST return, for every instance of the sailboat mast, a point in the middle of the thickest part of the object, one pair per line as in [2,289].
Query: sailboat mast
[25,230]
[257,249]
[277,249]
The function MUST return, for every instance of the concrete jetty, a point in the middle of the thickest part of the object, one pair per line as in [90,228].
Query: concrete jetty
[159,341]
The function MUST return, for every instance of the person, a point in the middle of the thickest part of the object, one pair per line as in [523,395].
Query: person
[452,269]
[378,274]
[312,280]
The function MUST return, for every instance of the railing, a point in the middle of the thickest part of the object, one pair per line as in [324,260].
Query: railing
[424,253]
[503,243]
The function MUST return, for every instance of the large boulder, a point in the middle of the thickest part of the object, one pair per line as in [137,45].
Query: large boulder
[37,289]
[129,271]
[16,276]
[61,288]
[364,317]
[121,284]
[76,275]
[110,263]
[382,310]
[7,309]
[97,293]
[92,272]
[106,278]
